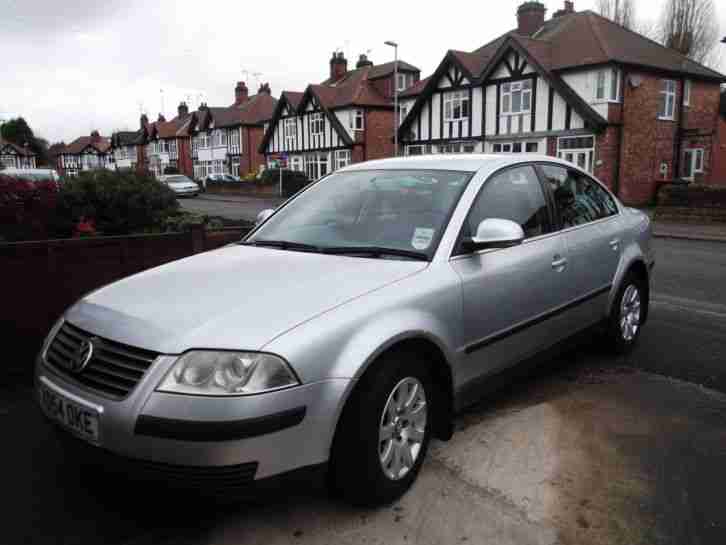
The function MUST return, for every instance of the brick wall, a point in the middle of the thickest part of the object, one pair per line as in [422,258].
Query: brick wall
[184,149]
[378,134]
[647,141]
[606,156]
[46,277]
[251,158]
[718,173]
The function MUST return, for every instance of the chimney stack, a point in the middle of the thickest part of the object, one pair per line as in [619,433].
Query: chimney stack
[530,18]
[95,136]
[182,109]
[161,118]
[569,8]
[363,61]
[143,121]
[338,66]
[240,93]
[264,89]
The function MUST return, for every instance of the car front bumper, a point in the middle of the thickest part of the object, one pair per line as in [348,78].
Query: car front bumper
[278,431]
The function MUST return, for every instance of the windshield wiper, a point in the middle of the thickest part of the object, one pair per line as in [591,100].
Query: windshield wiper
[374,251]
[283,245]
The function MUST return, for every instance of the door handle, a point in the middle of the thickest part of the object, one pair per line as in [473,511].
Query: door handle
[615,244]
[559,263]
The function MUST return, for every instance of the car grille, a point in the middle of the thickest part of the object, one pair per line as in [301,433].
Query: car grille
[113,370]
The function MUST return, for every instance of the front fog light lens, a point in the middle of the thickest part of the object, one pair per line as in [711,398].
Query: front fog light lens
[204,372]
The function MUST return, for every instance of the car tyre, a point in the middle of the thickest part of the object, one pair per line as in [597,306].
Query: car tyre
[627,314]
[394,398]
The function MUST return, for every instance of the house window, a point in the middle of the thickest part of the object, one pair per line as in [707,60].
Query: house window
[515,147]
[296,164]
[456,147]
[578,150]
[415,150]
[317,124]
[290,128]
[456,106]
[316,165]
[203,140]
[608,85]
[356,120]
[600,88]
[614,85]
[692,162]
[517,97]
[687,92]
[666,108]
[234,139]
[342,158]
[404,81]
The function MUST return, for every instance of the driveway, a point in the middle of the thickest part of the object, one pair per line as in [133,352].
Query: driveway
[587,450]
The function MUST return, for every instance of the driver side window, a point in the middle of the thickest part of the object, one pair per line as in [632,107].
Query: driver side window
[514,194]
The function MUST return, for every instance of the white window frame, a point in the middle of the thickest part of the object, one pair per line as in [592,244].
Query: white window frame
[589,152]
[456,147]
[356,119]
[697,158]
[405,80]
[402,113]
[509,147]
[508,90]
[455,102]
[342,158]
[290,130]
[317,124]
[687,88]
[668,96]
[607,85]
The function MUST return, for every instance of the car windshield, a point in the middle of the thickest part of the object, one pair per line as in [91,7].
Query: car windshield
[178,180]
[405,210]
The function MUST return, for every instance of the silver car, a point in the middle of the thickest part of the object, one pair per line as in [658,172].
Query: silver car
[349,327]
[181,185]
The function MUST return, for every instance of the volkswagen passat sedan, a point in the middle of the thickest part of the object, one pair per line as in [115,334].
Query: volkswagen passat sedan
[351,324]
[181,185]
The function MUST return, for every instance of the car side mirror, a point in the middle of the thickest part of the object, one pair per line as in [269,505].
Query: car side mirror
[262,216]
[495,233]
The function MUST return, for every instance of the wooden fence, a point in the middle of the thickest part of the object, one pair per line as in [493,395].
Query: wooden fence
[40,279]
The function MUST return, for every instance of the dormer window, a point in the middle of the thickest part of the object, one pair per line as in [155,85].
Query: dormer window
[456,106]
[516,97]
[404,81]
[356,120]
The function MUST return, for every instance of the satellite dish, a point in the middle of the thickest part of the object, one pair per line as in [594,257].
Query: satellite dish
[635,80]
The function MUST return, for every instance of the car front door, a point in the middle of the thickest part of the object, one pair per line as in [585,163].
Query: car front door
[590,225]
[511,295]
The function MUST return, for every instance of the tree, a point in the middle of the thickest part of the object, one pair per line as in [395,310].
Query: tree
[691,28]
[19,133]
[621,12]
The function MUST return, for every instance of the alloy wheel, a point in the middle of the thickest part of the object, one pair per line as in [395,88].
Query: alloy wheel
[630,313]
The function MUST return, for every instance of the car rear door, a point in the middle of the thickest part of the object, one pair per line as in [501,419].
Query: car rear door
[511,295]
[590,225]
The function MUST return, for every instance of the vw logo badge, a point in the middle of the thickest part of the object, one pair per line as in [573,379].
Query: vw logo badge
[82,355]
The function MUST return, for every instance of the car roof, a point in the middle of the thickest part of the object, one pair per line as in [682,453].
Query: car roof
[462,162]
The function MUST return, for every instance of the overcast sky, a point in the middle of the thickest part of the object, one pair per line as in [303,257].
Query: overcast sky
[70,66]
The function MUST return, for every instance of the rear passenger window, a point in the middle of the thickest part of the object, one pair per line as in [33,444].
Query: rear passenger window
[513,194]
[579,199]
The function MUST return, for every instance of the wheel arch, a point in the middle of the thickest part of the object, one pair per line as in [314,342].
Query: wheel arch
[637,266]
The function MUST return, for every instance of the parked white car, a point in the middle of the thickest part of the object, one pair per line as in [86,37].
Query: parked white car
[181,185]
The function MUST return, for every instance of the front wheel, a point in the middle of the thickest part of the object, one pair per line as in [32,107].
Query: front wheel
[626,317]
[383,434]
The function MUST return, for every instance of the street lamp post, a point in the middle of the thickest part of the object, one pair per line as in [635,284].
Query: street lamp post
[394,45]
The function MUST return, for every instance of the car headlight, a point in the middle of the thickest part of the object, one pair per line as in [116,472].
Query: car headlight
[204,372]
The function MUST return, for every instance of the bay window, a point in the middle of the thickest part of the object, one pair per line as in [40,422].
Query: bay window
[516,97]
[456,106]
[607,85]
[687,92]
[342,158]
[356,120]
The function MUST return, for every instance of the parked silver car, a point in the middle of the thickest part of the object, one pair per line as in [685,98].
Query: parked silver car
[348,328]
[181,185]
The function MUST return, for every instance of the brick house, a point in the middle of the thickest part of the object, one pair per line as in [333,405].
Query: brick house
[347,118]
[225,140]
[167,144]
[85,153]
[718,174]
[576,86]
[14,156]
[129,150]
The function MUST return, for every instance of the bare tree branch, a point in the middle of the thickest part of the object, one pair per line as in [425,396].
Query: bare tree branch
[691,28]
[621,12]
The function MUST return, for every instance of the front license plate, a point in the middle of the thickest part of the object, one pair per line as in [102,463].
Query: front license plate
[73,416]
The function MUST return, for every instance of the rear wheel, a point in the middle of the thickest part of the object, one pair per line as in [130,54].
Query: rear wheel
[626,316]
[383,434]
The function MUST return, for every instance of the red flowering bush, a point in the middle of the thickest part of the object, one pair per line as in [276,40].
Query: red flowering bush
[25,206]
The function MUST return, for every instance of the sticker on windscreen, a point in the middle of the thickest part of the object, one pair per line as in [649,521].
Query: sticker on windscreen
[422,238]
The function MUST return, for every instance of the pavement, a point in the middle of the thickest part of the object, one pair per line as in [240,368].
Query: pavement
[586,450]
